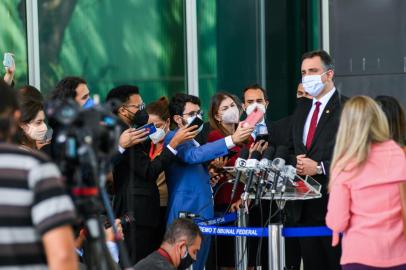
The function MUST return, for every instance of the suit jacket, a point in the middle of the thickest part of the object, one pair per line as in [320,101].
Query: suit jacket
[279,131]
[188,179]
[313,212]
[135,188]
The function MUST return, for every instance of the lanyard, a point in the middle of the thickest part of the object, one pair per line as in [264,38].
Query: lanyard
[165,254]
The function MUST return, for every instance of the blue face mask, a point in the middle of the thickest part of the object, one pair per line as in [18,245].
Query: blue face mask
[88,104]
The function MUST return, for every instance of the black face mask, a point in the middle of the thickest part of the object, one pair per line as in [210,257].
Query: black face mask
[139,118]
[186,261]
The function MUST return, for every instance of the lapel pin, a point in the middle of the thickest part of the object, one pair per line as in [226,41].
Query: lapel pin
[327,111]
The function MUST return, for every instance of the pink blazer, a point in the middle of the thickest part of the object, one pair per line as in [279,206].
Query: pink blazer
[364,205]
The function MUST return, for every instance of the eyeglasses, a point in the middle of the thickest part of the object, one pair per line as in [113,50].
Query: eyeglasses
[140,106]
[194,113]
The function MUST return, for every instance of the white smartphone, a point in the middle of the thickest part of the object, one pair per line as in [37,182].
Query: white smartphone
[8,60]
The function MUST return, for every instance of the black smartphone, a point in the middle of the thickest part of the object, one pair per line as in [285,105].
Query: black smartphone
[196,122]
[231,153]
[264,137]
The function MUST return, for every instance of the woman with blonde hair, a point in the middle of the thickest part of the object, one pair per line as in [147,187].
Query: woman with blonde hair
[364,201]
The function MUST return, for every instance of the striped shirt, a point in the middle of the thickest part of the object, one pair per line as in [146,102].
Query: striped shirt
[32,202]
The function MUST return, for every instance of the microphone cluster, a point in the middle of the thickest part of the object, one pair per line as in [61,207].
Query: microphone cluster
[263,174]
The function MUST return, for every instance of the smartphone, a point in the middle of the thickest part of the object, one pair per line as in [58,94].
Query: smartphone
[264,137]
[8,60]
[196,122]
[149,127]
[255,117]
[231,153]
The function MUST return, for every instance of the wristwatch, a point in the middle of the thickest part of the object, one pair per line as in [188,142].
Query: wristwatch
[319,169]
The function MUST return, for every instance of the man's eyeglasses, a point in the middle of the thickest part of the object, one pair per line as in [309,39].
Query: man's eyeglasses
[140,106]
[194,113]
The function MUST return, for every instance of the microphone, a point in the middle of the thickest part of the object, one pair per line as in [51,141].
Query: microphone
[239,164]
[265,165]
[282,153]
[288,173]
[252,165]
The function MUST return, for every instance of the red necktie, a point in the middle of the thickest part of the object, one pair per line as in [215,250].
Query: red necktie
[313,125]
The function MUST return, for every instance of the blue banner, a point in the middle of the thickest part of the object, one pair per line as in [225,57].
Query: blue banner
[306,232]
[263,232]
[234,231]
[208,227]
[218,220]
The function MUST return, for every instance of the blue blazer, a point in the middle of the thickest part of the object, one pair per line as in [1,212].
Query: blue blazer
[188,179]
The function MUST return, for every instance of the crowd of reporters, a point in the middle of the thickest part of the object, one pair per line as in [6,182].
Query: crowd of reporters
[180,166]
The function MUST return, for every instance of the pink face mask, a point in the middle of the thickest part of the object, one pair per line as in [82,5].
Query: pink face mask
[37,133]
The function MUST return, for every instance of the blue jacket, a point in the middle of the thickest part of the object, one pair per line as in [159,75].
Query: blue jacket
[188,179]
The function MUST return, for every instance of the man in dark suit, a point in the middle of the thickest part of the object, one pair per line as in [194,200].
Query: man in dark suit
[314,127]
[134,174]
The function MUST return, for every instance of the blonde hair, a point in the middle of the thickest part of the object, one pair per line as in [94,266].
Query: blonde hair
[362,123]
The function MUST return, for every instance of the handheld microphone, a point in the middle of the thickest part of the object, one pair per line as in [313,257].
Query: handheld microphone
[282,153]
[265,165]
[252,165]
[239,163]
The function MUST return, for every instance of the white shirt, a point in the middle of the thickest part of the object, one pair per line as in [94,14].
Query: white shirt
[324,100]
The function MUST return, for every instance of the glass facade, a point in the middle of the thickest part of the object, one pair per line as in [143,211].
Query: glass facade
[13,37]
[141,42]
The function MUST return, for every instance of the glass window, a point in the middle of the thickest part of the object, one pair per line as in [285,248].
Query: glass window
[13,37]
[111,42]
[207,51]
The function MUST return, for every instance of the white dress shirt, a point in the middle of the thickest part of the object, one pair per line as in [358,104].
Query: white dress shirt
[324,100]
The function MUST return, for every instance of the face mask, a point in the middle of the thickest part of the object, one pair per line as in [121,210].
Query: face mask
[186,261]
[313,85]
[158,135]
[88,104]
[231,116]
[139,119]
[190,120]
[37,133]
[254,105]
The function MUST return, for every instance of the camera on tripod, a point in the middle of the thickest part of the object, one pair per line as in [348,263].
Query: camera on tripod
[83,145]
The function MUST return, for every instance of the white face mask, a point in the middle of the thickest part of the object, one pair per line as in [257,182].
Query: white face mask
[231,115]
[37,133]
[313,84]
[190,120]
[158,135]
[254,105]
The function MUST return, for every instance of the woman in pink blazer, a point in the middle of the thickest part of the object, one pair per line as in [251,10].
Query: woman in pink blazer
[364,201]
